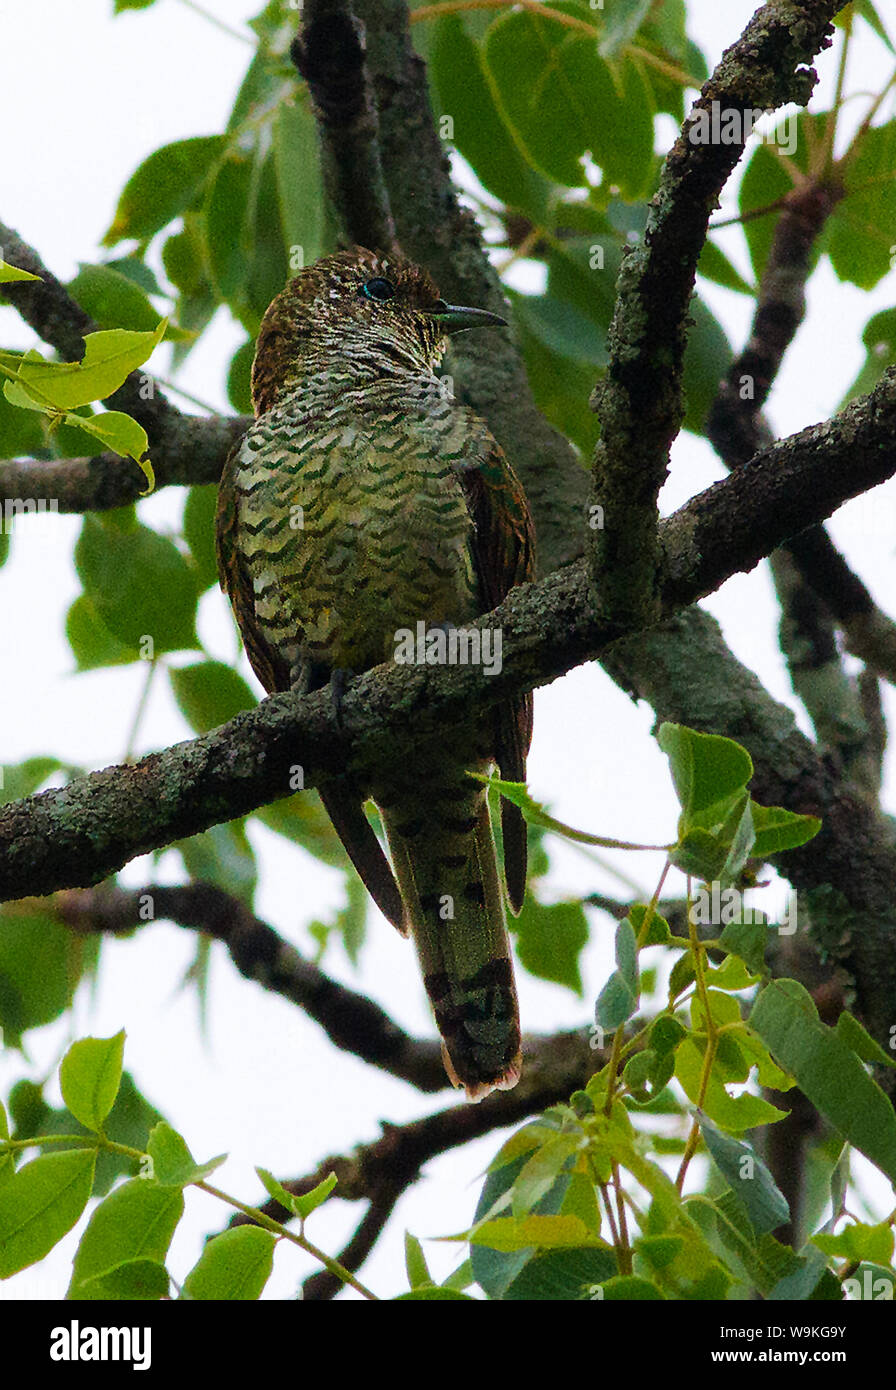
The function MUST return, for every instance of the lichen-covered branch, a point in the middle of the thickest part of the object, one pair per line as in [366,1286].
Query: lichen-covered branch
[640,400]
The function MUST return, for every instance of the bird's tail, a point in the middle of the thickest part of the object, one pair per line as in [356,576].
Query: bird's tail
[444,859]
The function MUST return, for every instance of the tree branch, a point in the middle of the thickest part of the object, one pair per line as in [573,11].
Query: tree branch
[640,398]
[330,55]
[80,834]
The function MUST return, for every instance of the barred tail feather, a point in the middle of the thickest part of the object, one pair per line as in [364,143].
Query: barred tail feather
[448,875]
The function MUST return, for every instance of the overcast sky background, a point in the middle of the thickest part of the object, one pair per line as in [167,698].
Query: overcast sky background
[85,97]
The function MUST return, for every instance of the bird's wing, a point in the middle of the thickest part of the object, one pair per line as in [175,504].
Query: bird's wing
[236,582]
[343,806]
[504,555]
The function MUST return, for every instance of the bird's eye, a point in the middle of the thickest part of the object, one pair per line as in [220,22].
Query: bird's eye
[378,289]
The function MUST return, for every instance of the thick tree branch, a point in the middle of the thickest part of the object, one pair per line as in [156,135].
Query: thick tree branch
[330,55]
[80,834]
[640,399]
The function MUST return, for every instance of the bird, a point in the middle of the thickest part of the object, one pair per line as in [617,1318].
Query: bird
[365,502]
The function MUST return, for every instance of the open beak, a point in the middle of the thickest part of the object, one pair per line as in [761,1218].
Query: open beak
[454,318]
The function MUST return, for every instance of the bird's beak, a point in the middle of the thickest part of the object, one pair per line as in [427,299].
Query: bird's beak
[454,318]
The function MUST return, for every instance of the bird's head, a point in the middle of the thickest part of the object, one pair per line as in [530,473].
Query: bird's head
[358,311]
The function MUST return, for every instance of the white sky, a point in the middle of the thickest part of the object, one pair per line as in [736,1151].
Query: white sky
[85,97]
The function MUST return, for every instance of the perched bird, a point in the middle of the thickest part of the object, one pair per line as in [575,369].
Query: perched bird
[362,502]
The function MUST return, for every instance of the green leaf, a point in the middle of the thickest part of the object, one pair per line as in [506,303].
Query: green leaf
[561,328]
[714,265]
[495,1270]
[91,641]
[122,434]
[114,299]
[707,354]
[307,1202]
[172,1163]
[620,24]
[858,1241]
[21,779]
[209,693]
[415,1263]
[109,356]
[879,337]
[777,829]
[222,855]
[748,940]
[550,938]
[276,1189]
[89,1077]
[860,1040]
[478,128]
[733,1113]
[9,273]
[860,241]
[541,1171]
[146,1280]
[234,1265]
[748,1178]
[506,1234]
[868,12]
[562,1275]
[164,186]
[134,1223]
[239,381]
[140,584]
[199,532]
[618,999]
[436,1294]
[299,182]
[630,1288]
[710,774]
[827,1070]
[571,102]
[41,963]
[40,1204]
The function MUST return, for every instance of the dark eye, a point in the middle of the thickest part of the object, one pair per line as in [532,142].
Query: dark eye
[379,289]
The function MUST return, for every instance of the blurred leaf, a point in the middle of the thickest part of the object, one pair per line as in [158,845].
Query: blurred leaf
[224,856]
[479,130]
[714,265]
[21,779]
[299,182]
[860,244]
[879,337]
[239,378]
[41,963]
[561,328]
[167,183]
[549,940]
[115,300]
[209,693]
[91,641]
[706,359]
[140,584]
[572,101]
[199,532]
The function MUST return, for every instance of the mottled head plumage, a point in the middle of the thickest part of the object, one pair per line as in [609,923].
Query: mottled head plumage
[359,312]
